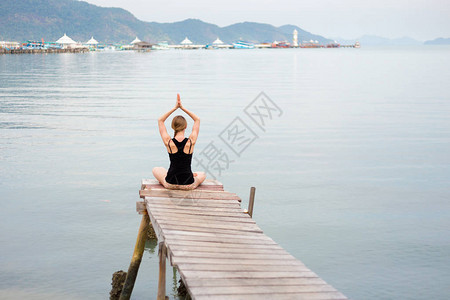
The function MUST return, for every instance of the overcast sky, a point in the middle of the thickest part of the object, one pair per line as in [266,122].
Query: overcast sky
[419,19]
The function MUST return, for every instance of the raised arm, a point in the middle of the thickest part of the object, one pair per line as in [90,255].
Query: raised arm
[196,127]
[162,127]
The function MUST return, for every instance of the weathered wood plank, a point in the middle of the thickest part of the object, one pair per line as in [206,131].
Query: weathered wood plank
[197,202]
[192,194]
[208,229]
[224,235]
[200,217]
[253,281]
[242,267]
[212,221]
[258,256]
[156,227]
[211,224]
[215,249]
[220,251]
[212,228]
[206,212]
[252,237]
[136,259]
[193,210]
[247,274]
[189,196]
[293,296]
[162,272]
[140,207]
[181,202]
[170,205]
[262,289]
[230,246]
[175,202]
[212,212]
[251,201]
[220,261]
[193,203]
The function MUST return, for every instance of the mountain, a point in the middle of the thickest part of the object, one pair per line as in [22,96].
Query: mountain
[49,19]
[373,40]
[204,33]
[254,32]
[22,20]
[438,41]
[197,31]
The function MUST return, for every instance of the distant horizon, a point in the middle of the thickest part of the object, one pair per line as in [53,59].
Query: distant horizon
[329,37]
[347,19]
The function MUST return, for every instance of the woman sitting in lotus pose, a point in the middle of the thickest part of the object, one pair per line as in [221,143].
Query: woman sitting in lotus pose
[180,151]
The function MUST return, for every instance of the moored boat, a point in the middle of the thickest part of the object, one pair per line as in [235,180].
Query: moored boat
[282,44]
[243,45]
[161,46]
[333,45]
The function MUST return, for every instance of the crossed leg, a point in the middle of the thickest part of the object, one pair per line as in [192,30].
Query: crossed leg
[199,177]
[160,174]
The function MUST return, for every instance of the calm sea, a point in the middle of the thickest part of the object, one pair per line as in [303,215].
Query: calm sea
[352,178]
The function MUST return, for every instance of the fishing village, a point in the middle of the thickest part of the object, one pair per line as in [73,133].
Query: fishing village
[65,44]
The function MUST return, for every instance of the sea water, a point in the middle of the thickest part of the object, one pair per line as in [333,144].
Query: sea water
[351,166]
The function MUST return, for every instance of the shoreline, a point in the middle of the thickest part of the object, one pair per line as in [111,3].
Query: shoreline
[86,50]
[39,51]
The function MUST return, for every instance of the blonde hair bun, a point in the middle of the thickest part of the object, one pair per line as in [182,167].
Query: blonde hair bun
[178,124]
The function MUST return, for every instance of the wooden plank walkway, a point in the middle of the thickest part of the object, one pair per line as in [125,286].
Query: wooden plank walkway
[219,250]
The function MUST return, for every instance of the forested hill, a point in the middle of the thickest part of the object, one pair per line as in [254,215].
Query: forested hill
[22,20]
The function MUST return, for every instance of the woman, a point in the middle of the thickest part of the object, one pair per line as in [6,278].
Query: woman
[180,151]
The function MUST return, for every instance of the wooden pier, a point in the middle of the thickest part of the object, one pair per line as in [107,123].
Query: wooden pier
[43,51]
[219,250]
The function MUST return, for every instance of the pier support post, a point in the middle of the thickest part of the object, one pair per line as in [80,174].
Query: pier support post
[136,259]
[251,201]
[162,271]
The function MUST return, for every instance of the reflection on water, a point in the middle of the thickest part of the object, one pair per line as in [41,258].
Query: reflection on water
[150,246]
[175,279]
[352,179]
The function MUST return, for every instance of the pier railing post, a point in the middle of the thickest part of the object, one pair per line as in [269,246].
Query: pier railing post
[251,201]
[162,271]
[136,259]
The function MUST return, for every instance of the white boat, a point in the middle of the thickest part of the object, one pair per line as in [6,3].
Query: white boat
[243,45]
[161,46]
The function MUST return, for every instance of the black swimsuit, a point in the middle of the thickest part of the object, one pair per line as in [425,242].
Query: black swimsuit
[180,164]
